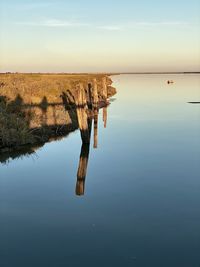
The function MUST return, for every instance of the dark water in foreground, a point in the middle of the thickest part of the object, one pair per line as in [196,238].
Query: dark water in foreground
[142,191]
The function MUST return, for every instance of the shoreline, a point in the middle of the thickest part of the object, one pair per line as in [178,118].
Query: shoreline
[97,73]
[35,109]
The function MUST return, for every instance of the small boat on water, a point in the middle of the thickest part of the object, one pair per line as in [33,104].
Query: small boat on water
[170,81]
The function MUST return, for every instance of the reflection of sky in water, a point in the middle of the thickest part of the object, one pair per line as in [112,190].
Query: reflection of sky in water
[141,202]
[151,98]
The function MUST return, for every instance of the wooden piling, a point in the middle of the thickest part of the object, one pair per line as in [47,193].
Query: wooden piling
[82,100]
[104,88]
[81,108]
[89,95]
[95,94]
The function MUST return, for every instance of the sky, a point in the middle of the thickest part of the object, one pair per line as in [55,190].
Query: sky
[99,35]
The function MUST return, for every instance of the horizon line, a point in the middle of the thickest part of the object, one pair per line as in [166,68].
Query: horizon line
[110,73]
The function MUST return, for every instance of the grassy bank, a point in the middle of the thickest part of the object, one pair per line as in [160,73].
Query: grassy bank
[34,87]
[32,109]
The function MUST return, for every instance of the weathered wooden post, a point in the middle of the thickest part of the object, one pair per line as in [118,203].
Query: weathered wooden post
[95,94]
[96,114]
[89,95]
[81,103]
[105,114]
[83,163]
[95,110]
[104,88]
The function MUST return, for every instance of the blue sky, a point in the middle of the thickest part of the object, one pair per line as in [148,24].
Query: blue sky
[91,36]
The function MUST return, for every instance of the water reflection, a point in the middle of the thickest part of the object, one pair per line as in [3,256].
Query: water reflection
[153,207]
[85,150]
[92,120]
[96,114]
[82,169]
[83,163]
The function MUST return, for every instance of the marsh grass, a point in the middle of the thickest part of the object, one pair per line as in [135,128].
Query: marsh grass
[33,87]
[14,127]
[41,91]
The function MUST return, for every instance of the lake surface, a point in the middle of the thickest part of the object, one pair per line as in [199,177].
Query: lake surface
[141,202]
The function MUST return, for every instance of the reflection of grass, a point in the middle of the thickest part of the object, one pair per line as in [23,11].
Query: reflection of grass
[11,155]
[23,151]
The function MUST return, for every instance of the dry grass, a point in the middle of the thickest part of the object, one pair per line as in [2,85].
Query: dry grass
[33,87]
[30,89]
[14,128]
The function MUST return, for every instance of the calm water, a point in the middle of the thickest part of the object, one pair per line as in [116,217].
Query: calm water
[142,191]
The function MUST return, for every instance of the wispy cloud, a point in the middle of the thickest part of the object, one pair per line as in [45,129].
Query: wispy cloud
[35,5]
[124,26]
[158,23]
[143,24]
[110,28]
[55,23]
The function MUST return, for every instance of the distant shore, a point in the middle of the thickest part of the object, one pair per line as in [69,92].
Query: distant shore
[99,73]
[137,73]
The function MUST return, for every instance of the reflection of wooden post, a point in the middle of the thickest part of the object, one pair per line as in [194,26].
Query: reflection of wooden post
[83,163]
[82,169]
[81,103]
[105,116]
[105,90]
[95,94]
[96,128]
